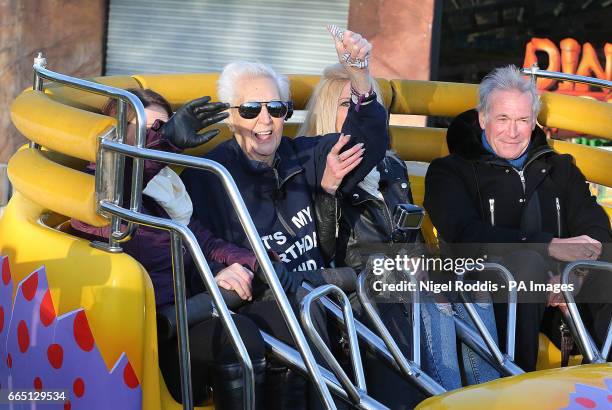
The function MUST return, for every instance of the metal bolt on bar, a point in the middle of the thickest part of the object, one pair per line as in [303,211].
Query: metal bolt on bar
[38,84]
[254,240]
[426,384]
[354,392]
[183,233]
[408,368]
[119,167]
[42,73]
[535,71]
[586,343]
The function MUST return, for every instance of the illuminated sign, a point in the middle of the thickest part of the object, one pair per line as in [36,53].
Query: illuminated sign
[567,59]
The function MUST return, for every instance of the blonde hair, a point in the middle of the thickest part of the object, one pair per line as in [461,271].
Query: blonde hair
[322,107]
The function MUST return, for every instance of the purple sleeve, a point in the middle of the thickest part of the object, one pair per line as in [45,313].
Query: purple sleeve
[90,232]
[221,251]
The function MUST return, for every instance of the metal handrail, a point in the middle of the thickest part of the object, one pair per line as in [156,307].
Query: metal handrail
[254,239]
[366,302]
[290,357]
[409,369]
[585,342]
[354,392]
[504,360]
[535,71]
[180,234]
[124,98]
[426,384]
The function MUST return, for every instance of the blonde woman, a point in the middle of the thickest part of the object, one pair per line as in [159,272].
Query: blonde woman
[351,224]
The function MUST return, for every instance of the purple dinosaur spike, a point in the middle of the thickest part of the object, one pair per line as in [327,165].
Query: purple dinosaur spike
[6,294]
[49,352]
[591,397]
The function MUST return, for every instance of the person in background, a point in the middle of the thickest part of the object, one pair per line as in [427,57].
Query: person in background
[213,361]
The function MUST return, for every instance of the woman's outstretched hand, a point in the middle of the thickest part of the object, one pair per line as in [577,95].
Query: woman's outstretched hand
[182,128]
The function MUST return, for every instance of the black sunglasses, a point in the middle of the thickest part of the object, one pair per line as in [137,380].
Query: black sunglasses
[276,109]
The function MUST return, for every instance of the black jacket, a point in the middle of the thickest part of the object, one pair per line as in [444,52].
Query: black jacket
[280,198]
[356,225]
[473,196]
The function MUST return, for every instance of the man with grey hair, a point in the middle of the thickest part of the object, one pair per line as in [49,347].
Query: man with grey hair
[503,184]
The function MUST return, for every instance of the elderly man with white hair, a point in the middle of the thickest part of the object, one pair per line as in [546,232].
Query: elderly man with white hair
[503,184]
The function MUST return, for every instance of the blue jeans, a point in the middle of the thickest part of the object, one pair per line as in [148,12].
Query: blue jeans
[439,355]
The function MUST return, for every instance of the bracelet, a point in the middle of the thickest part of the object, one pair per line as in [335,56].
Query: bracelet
[362,99]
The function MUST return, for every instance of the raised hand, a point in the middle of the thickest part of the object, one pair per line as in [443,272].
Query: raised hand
[182,128]
[338,164]
[354,54]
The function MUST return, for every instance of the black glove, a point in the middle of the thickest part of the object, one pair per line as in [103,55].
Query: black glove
[290,281]
[182,128]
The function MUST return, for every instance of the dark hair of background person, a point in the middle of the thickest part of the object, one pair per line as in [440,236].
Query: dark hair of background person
[147,96]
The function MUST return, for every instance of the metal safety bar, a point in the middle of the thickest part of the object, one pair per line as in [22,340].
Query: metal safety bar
[426,384]
[355,393]
[124,98]
[410,369]
[535,71]
[416,323]
[504,360]
[181,234]
[290,357]
[590,352]
[254,240]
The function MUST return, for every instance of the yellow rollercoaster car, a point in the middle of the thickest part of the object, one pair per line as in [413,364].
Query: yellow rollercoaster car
[80,320]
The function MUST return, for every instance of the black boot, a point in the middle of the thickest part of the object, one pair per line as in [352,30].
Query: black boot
[228,387]
[285,389]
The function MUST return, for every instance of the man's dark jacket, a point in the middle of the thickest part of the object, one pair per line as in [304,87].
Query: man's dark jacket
[473,196]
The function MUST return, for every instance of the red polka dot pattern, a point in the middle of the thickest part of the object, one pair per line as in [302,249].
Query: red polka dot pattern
[129,377]
[23,337]
[1,319]
[78,387]
[9,361]
[610,398]
[586,403]
[6,272]
[47,312]
[67,405]
[38,383]
[28,288]
[55,354]
[82,333]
